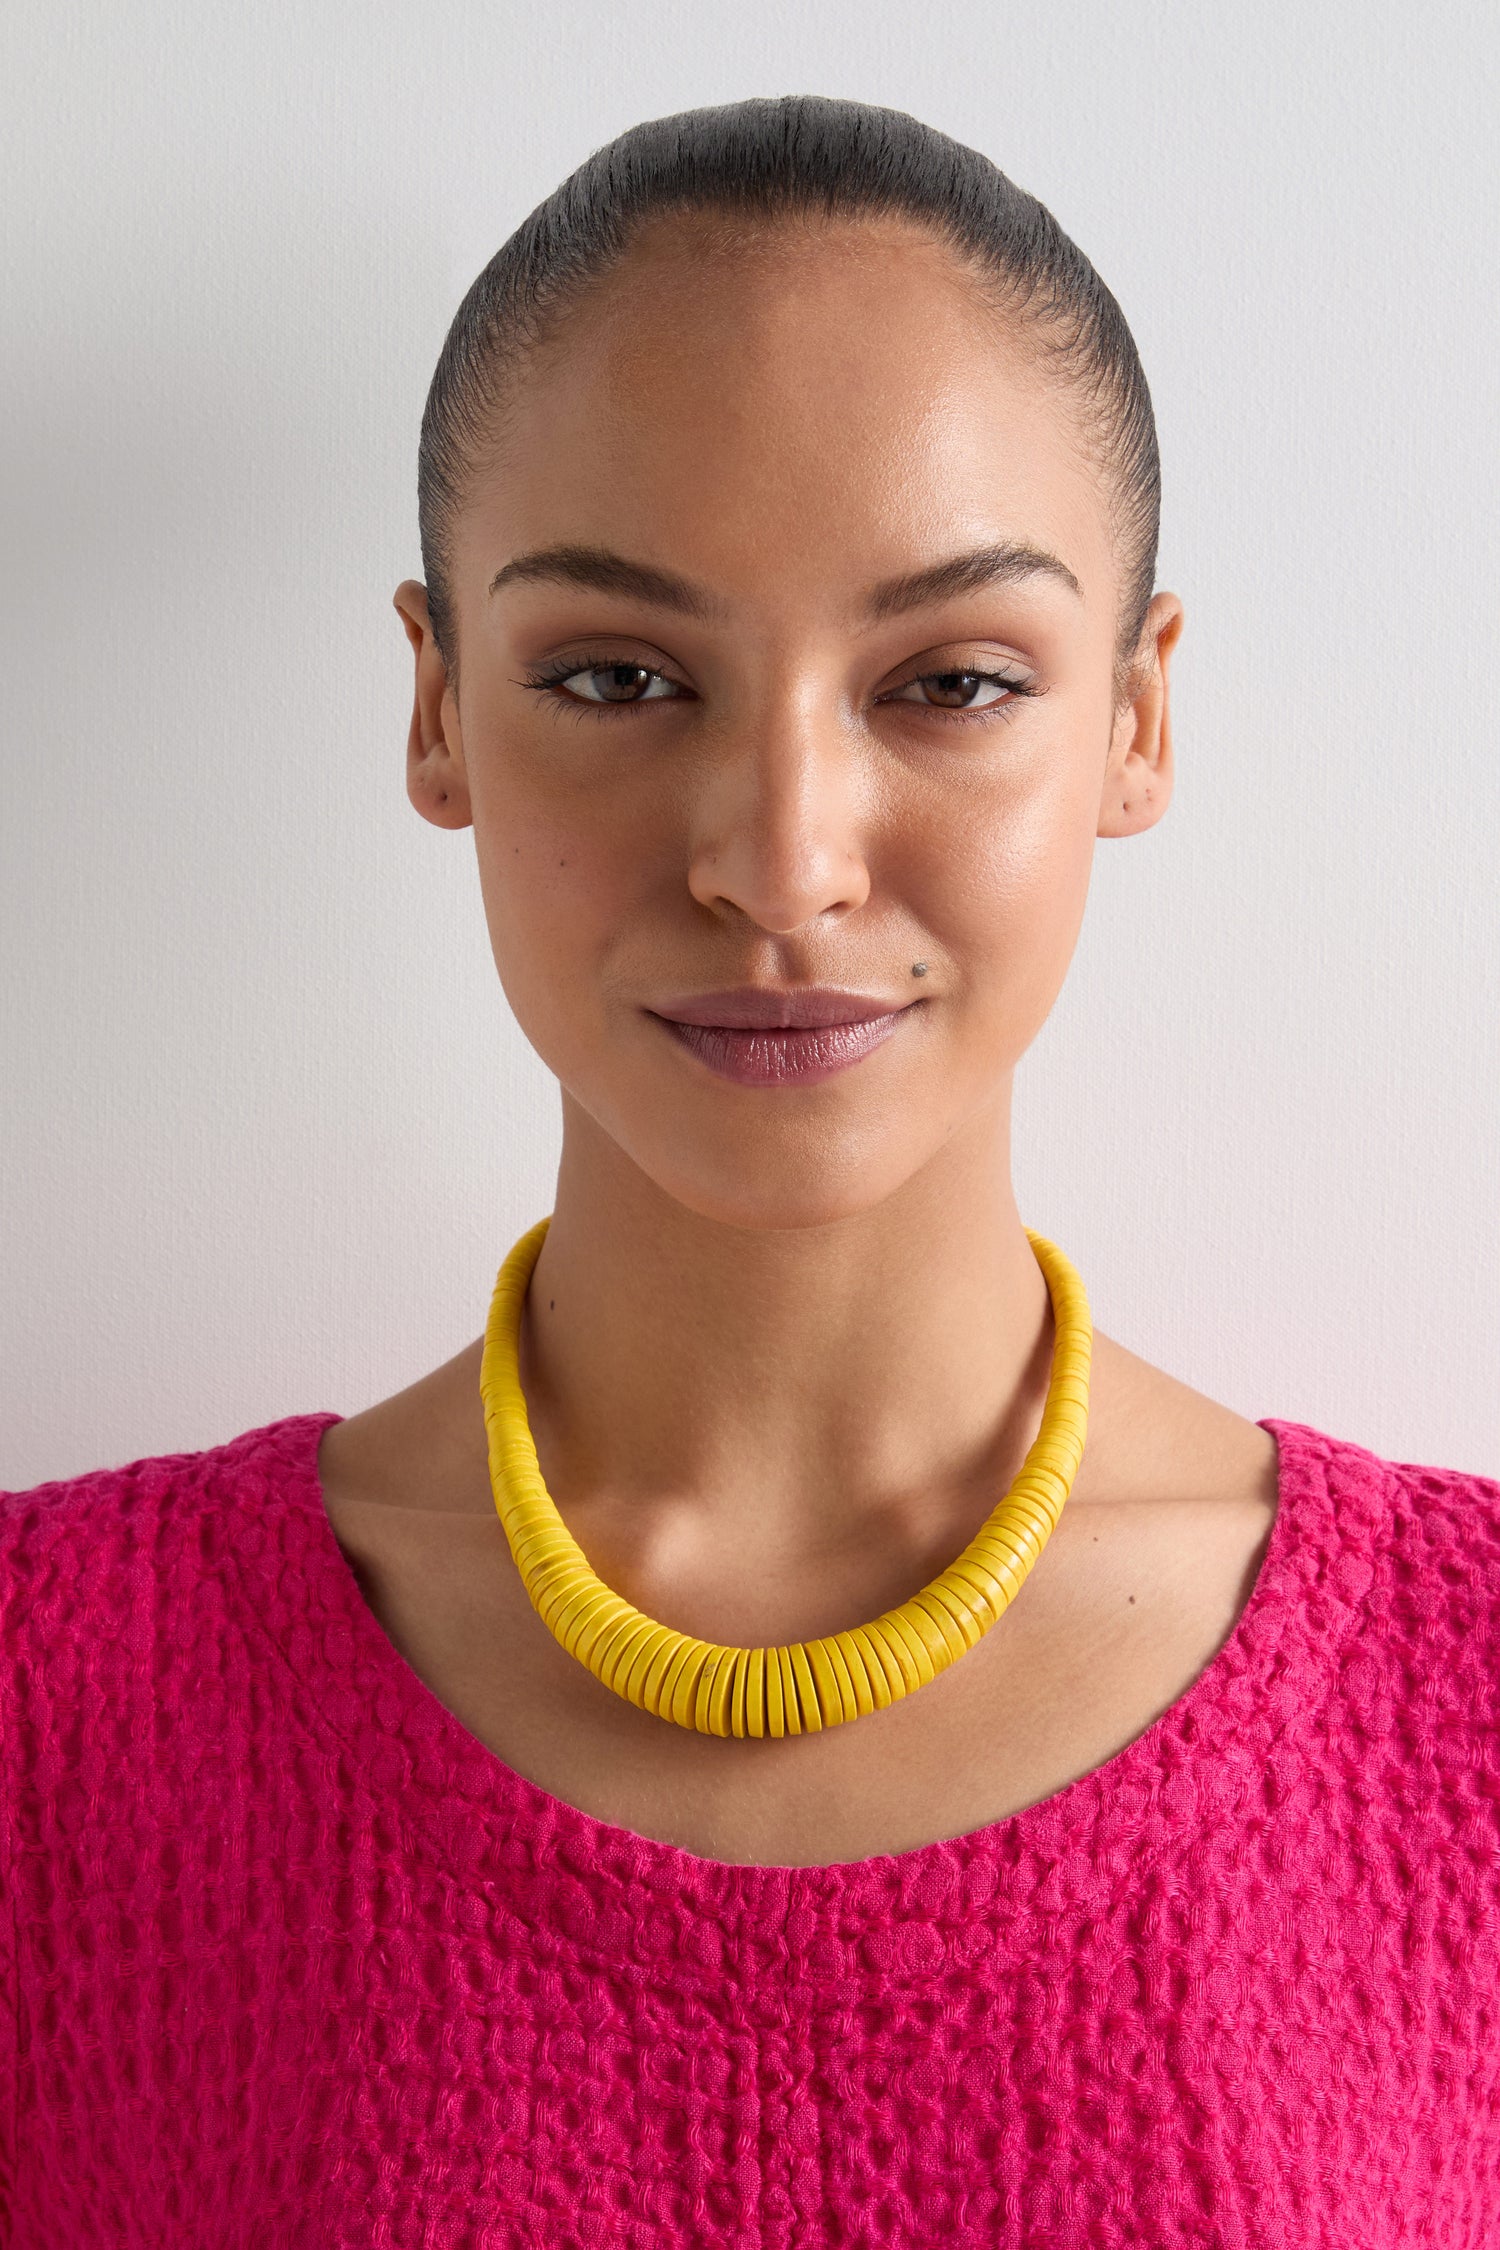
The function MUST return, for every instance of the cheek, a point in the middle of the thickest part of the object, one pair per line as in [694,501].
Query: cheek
[1002,868]
[1003,891]
[559,893]
[547,894]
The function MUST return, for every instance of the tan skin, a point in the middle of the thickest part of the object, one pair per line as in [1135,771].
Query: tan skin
[785,1346]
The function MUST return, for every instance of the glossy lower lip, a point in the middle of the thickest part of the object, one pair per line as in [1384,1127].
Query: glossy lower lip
[777,1057]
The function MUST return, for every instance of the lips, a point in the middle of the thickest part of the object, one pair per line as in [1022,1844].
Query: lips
[748,1007]
[761,1038]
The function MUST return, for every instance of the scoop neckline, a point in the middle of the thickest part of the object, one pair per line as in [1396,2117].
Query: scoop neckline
[473,1806]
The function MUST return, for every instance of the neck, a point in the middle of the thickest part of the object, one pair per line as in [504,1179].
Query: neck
[808,1379]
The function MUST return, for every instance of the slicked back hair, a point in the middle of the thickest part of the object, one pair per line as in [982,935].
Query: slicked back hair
[796,156]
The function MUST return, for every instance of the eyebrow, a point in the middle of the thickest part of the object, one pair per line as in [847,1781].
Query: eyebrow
[1007,563]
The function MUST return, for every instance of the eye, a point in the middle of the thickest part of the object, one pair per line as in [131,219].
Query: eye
[962,690]
[621,682]
[594,684]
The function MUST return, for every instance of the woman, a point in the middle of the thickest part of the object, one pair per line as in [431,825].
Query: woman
[791,1736]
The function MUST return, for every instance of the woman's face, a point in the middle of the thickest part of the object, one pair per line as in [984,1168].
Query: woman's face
[755,749]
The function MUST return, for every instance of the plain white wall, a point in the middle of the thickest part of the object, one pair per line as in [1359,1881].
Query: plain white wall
[268,1126]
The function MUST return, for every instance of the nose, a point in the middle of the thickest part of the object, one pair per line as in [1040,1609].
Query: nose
[779,818]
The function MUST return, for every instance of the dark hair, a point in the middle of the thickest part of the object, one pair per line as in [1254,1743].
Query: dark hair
[785,158]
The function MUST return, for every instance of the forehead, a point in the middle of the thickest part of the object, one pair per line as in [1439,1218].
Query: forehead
[835,394]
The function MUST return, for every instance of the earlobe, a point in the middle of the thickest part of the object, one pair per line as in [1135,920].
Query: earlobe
[435,779]
[436,789]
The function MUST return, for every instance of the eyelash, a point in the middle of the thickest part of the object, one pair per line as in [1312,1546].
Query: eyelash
[547,681]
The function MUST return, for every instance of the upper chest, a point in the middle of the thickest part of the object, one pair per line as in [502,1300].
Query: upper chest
[1124,1609]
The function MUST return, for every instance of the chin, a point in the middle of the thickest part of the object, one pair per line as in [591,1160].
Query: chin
[761,1173]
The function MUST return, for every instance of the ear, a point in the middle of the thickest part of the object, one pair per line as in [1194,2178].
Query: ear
[435,778]
[1138,777]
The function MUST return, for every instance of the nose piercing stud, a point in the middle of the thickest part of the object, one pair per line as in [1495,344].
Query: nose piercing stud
[919,968]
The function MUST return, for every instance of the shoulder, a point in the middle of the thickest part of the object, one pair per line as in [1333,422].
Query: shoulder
[102,1498]
[76,1551]
[1443,1550]
[1414,1549]
[1443,1502]
[1409,1511]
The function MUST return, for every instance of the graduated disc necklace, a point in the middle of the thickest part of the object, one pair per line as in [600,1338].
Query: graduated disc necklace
[811,1684]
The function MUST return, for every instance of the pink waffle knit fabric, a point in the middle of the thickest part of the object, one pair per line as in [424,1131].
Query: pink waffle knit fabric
[294,1960]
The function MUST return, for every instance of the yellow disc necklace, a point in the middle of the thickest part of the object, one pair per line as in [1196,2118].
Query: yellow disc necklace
[810,1684]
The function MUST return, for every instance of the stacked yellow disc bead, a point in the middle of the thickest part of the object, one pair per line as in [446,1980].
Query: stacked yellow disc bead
[811,1684]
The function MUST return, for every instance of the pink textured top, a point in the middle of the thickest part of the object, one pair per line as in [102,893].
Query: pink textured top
[293,1959]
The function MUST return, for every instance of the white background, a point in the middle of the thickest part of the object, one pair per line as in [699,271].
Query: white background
[268,1128]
